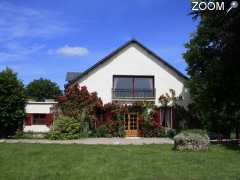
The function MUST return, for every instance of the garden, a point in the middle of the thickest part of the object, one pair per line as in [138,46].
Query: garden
[82,114]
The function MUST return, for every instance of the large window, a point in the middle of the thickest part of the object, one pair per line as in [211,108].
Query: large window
[39,119]
[133,86]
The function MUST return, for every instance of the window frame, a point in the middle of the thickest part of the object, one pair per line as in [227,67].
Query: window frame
[133,78]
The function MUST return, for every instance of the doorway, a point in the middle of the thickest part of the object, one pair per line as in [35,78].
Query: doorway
[131,125]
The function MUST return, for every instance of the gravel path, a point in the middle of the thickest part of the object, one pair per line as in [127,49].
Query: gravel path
[93,141]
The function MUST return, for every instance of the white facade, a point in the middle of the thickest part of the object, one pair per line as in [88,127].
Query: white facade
[32,108]
[134,60]
[39,107]
[36,128]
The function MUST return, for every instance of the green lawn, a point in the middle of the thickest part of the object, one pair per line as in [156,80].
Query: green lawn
[150,162]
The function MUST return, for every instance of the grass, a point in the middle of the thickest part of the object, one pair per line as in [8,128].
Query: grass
[123,162]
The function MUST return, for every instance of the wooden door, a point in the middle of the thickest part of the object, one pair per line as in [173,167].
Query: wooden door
[131,122]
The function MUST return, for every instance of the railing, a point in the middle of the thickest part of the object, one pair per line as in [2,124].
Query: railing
[133,93]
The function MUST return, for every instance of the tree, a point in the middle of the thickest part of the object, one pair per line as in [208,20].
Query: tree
[12,103]
[213,66]
[42,89]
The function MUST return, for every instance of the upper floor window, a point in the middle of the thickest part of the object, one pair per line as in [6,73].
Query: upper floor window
[133,82]
[133,86]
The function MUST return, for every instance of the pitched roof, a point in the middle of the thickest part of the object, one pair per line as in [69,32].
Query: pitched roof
[132,41]
[72,75]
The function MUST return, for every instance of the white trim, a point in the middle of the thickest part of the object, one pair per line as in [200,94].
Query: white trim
[42,102]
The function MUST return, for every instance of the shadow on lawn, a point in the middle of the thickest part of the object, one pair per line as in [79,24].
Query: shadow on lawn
[230,145]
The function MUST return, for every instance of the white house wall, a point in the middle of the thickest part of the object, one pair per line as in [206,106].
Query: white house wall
[36,128]
[133,60]
[38,108]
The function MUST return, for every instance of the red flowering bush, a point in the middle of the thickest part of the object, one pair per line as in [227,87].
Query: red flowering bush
[111,122]
[81,105]
[78,101]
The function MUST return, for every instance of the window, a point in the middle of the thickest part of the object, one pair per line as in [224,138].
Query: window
[166,117]
[39,119]
[133,86]
[123,83]
[143,83]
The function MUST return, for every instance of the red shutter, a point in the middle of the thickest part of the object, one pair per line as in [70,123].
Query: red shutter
[48,120]
[157,120]
[28,120]
[174,120]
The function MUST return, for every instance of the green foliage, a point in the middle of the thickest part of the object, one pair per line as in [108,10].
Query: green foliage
[213,66]
[12,103]
[42,89]
[188,118]
[113,121]
[151,130]
[101,131]
[66,128]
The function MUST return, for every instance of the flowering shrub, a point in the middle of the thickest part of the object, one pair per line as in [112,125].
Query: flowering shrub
[191,140]
[78,101]
[65,128]
[86,108]
[112,119]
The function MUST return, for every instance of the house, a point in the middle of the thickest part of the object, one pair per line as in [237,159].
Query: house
[133,73]
[39,116]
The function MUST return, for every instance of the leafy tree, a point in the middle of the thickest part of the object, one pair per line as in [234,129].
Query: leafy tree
[213,66]
[12,103]
[42,89]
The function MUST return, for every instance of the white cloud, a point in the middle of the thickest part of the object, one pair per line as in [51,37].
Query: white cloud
[22,30]
[71,51]
[18,22]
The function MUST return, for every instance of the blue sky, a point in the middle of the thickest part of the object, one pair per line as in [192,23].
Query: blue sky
[49,38]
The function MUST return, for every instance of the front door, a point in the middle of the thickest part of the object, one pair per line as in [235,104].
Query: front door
[131,122]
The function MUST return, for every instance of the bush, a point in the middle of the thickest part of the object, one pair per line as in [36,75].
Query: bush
[101,131]
[191,140]
[66,128]
[170,132]
[152,131]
